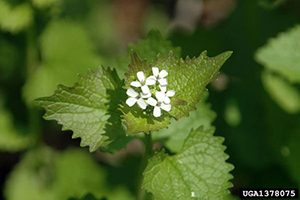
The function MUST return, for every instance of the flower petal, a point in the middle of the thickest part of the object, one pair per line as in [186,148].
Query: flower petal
[135,84]
[145,89]
[131,101]
[130,92]
[166,107]
[163,82]
[141,76]
[155,71]
[163,88]
[170,93]
[142,103]
[163,73]
[160,96]
[144,96]
[156,111]
[167,100]
[151,101]
[150,80]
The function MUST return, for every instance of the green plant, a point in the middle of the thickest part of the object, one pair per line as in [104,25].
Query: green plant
[95,107]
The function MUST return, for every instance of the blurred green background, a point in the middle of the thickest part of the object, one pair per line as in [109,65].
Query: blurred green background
[48,42]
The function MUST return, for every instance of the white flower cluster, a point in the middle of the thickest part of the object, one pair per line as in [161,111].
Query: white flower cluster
[144,98]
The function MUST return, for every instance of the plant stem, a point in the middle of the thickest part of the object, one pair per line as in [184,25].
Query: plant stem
[141,193]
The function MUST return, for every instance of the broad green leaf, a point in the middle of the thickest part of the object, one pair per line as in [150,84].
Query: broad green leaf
[15,19]
[282,92]
[149,49]
[45,174]
[178,131]
[66,51]
[12,138]
[280,54]
[89,109]
[189,80]
[198,171]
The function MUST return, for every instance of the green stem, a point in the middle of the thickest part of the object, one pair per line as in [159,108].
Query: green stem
[141,193]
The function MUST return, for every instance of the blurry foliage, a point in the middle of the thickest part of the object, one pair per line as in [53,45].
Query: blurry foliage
[15,18]
[46,174]
[64,55]
[13,138]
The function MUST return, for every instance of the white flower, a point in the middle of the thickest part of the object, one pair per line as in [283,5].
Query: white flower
[162,102]
[143,82]
[136,97]
[159,76]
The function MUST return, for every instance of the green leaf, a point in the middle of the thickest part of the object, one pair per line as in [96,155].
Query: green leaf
[282,92]
[12,139]
[198,171]
[148,49]
[49,175]
[66,51]
[280,54]
[15,19]
[89,109]
[174,136]
[189,80]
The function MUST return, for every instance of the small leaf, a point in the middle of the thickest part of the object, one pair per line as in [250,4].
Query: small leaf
[15,19]
[282,92]
[280,54]
[89,109]
[198,171]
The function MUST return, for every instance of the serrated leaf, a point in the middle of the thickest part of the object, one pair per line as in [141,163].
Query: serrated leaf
[148,49]
[282,92]
[189,80]
[15,19]
[280,54]
[12,139]
[89,109]
[174,136]
[198,171]
[66,51]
